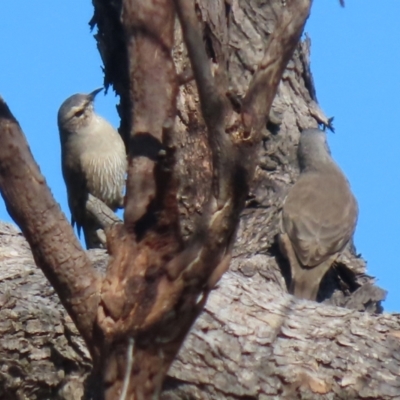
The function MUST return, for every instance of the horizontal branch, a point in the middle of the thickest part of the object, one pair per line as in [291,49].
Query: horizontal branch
[255,341]
[251,340]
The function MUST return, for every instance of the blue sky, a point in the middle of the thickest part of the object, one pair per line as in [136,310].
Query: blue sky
[48,53]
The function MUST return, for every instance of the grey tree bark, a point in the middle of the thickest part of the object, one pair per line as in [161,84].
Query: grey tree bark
[253,340]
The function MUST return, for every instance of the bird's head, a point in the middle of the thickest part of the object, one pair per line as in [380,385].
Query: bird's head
[313,148]
[76,112]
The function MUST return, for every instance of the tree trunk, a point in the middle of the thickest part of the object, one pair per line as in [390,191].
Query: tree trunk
[252,340]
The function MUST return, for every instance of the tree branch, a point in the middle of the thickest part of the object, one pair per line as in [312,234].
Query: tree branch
[102,214]
[149,31]
[54,246]
[252,340]
[278,50]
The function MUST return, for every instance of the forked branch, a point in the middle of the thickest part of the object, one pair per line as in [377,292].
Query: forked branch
[154,286]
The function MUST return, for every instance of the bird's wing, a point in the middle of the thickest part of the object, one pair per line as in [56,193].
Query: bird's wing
[77,195]
[76,191]
[319,216]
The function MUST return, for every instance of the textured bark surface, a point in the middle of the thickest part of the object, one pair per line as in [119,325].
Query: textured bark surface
[41,352]
[54,245]
[253,340]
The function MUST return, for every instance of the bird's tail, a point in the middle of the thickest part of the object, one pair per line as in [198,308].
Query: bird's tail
[305,280]
[94,235]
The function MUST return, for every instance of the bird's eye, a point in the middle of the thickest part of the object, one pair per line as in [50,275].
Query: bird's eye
[79,113]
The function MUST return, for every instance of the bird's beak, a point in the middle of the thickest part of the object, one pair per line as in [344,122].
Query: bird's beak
[93,94]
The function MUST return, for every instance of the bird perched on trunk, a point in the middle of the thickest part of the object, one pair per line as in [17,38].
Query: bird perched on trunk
[319,215]
[93,161]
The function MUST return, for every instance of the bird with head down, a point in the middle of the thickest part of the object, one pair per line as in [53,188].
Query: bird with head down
[319,215]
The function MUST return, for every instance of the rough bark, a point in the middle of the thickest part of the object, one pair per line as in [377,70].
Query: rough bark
[253,339]
[54,245]
[156,284]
